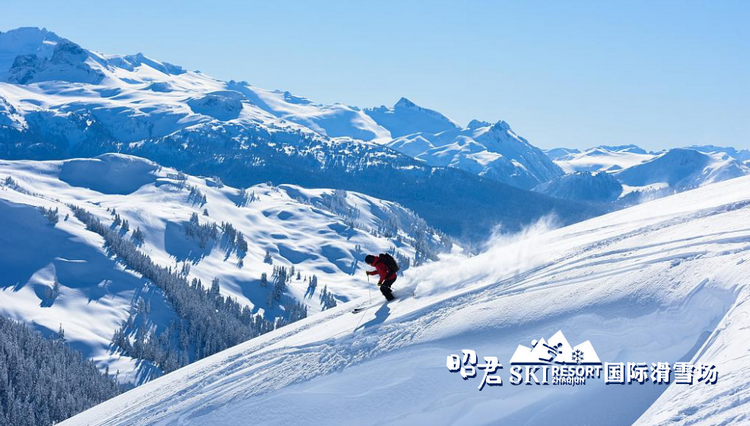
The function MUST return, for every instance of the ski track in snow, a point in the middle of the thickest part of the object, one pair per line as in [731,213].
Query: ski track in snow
[628,280]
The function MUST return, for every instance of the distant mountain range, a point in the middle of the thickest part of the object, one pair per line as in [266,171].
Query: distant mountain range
[59,100]
[600,158]
[629,174]
[484,149]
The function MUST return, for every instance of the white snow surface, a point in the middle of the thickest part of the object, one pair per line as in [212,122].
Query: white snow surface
[296,225]
[659,282]
[599,159]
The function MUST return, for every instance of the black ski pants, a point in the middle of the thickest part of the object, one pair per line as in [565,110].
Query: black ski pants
[385,288]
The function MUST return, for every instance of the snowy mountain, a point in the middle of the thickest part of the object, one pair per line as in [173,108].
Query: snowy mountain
[25,42]
[60,274]
[406,118]
[680,169]
[336,120]
[742,155]
[600,158]
[495,152]
[489,150]
[664,281]
[598,187]
[558,153]
[59,100]
[643,175]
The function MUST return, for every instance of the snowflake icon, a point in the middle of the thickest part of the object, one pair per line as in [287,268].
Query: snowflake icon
[578,356]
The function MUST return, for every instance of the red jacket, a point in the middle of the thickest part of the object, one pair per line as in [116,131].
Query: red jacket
[381,269]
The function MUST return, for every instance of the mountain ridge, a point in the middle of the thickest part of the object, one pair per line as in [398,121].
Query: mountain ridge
[190,121]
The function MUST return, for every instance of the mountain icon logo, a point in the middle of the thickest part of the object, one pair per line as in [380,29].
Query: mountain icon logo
[556,350]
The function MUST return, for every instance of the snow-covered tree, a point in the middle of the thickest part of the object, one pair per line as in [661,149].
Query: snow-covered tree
[215,289]
[195,196]
[241,244]
[50,214]
[202,232]
[44,381]
[54,290]
[327,299]
[138,236]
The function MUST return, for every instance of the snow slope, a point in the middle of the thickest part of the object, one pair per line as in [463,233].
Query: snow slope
[659,282]
[95,295]
[336,120]
[320,232]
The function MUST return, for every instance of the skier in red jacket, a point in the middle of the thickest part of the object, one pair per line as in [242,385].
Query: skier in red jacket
[386,267]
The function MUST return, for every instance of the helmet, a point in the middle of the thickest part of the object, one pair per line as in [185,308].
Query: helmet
[369,259]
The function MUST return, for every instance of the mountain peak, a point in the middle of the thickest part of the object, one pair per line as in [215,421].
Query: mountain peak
[405,103]
[67,63]
[67,50]
[26,33]
[25,41]
[131,62]
[635,149]
[501,126]
[406,117]
[476,124]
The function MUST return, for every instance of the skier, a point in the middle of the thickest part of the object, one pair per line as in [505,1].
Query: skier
[386,267]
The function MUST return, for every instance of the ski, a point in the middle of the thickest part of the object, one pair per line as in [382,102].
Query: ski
[364,308]
[360,309]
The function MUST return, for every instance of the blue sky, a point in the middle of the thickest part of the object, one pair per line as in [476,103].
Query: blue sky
[654,73]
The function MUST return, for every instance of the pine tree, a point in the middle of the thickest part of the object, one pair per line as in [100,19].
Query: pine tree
[138,236]
[215,289]
[51,215]
[44,381]
[241,245]
[54,291]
